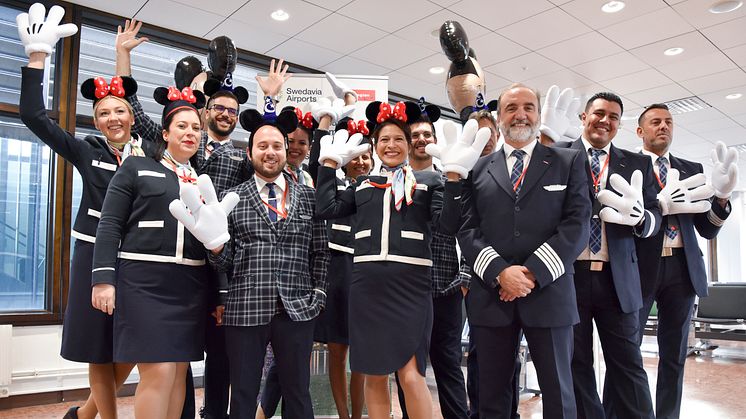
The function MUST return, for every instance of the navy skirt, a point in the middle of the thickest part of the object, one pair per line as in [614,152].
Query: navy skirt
[391,316]
[160,312]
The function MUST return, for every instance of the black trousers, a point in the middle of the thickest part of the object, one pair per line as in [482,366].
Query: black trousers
[272,392]
[628,390]
[217,372]
[551,351]
[675,296]
[292,343]
[445,357]
[472,381]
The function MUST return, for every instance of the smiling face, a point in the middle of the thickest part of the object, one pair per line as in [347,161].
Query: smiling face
[298,147]
[359,166]
[221,117]
[422,135]
[601,122]
[656,131]
[183,135]
[268,154]
[114,119]
[519,116]
[392,146]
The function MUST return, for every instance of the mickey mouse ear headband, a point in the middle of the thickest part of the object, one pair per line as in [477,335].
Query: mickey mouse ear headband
[213,86]
[251,120]
[354,127]
[97,89]
[305,120]
[379,112]
[480,105]
[174,99]
[421,112]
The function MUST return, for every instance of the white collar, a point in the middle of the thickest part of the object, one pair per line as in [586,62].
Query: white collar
[654,156]
[589,146]
[279,182]
[210,139]
[528,148]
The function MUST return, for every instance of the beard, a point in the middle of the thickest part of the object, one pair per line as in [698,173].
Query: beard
[268,173]
[520,134]
[212,123]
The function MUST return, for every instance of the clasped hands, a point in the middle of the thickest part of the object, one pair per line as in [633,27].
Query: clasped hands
[515,281]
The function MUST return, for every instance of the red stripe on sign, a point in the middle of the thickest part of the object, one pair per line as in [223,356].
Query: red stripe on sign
[365,95]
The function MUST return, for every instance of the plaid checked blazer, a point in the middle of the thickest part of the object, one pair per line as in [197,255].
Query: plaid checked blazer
[271,262]
[445,272]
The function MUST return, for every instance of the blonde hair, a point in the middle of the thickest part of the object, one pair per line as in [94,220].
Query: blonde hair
[124,101]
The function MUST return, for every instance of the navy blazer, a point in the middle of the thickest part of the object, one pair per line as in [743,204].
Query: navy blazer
[544,228]
[620,239]
[707,224]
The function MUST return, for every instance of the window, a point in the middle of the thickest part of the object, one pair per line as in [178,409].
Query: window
[731,249]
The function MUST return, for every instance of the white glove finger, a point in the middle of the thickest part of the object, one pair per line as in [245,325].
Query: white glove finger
[564,100]
[719,152]
[699,207]
[68,29]
[230,200]
[358,150]
[323,102]
[701,192]
[694,181]
[23,25]
[550,100]
[673,177]
[483,136]
[572,110]
[56,13]
[340,138]
[181,213]
[620,184]
[469,132]
[433,150]
[189,194]
[636,182]
[207,189]
[731,157]
[355,140]
[612,200]
[450,133]
[609,215]
[36,14]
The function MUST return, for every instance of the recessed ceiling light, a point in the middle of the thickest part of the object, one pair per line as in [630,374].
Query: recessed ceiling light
[437,70]
[734,96]
[725,6]
[673,51]
[280,15]
[613,6]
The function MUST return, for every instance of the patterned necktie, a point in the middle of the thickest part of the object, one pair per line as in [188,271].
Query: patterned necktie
[594,243]
[671,232]
[662,169]
[517,172]
[272,201]
[301,177]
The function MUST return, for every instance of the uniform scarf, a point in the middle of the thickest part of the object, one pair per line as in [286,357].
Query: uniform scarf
[402,182]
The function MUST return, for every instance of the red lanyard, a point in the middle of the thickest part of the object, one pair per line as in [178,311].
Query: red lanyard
[659,180]
[597,180]
[520,178]
[380,185]
[186,178]
[281,212]
[116,153]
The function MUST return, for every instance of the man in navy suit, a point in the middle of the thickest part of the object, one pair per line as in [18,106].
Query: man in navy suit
[671,266]
[607,281]
[525,220]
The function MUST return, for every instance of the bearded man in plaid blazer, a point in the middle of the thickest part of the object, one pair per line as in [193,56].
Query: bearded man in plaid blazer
[278,256]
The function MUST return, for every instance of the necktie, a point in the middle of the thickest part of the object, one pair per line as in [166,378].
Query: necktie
[301,178]
[662,169]
[517,172]
[272,201]
[594,243]
[671,232]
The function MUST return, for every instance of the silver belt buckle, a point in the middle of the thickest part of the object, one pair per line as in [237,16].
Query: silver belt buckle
[597,266]
[667,251]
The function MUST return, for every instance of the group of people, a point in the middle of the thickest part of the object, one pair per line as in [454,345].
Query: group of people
[187,245]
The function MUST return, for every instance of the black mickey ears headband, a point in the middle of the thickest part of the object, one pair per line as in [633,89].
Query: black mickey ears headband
[213,86]
[97,89]
[174,99]
[305,120]
[421,112]
[480,105]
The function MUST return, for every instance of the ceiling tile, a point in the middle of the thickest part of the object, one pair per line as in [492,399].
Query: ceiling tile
[635,82]
[616,65]
[730,136]
[325,33]
[495,84]
[444,3]
[728,34]
[391,52]
[711,125]
[350,65]
[737,54]
[303,53]
[302,15]
[247,37]
[659,94]
[411,86]
[329,4]
[223,8]
[524,67]
[682,136]
[420,69]
[581,49]
[590,11]
[698,67]
[647,28]
[741,119]
[694,44]
[493,48]
[421,31]
[175,16]
[126,9]
[691,119]
[727,106]
[556,25]
[695,151]
[389,15]
[497,14]
[562,78]
[696,13]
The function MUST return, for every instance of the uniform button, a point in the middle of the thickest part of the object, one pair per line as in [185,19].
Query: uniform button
[517,234]
[517,208]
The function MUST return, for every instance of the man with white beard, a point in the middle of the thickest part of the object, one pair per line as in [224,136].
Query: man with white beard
[525,221]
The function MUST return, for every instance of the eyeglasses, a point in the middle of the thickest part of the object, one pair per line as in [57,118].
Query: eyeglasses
[221,109]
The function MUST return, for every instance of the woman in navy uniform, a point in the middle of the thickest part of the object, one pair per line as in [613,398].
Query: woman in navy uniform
[86,333]
[148,270]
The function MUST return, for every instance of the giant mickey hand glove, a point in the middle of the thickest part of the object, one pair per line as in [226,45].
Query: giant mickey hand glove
[39,35]
[336,109]
[460,155]
[208,220]
[559,115]
[342,149]
[725,170]
[688,196]
[627,206]
[340,89]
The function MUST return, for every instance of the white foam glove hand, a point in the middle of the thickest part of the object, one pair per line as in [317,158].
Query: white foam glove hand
[725,170]
[625,206]
[559,115]
[340,89]
[39,35]
[459,155]
[688,196]
[342,148]
[208,220]
[336,109]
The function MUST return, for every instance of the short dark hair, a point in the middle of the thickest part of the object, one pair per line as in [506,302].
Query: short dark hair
[391,121]
[223,93]
[608,96]
[160,143]
[523,86]
[423,120]
[650,108]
